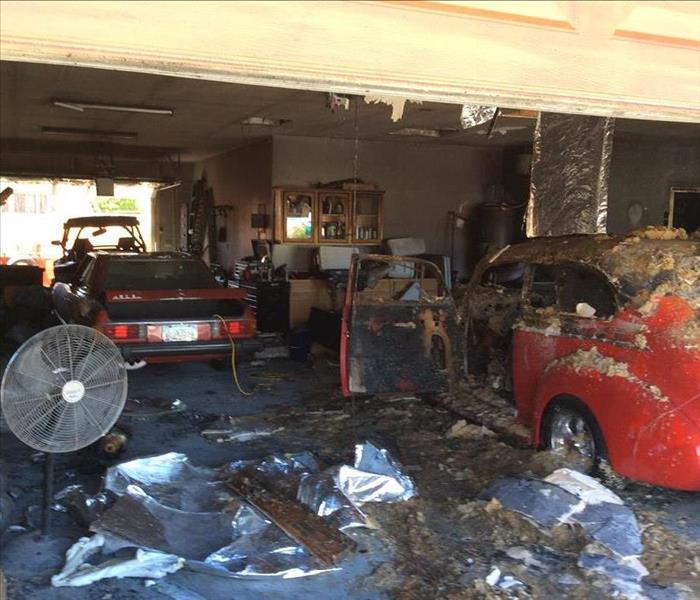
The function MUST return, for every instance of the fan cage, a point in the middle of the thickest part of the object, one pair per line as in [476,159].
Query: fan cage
[63,389]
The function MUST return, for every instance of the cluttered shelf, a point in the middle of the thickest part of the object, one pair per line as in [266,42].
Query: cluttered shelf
[322,216]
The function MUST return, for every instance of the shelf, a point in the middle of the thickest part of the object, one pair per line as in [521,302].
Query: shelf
[287,220]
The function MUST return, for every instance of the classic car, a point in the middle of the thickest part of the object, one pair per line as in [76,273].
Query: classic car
[116,233]
[157,307]
[597,339]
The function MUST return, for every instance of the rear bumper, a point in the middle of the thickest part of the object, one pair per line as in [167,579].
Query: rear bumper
[187,350]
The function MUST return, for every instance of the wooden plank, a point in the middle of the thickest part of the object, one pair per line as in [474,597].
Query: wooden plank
[323,541]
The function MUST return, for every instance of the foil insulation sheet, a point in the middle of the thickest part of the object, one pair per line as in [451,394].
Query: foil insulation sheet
[570,171]
[474,115]
[164,504]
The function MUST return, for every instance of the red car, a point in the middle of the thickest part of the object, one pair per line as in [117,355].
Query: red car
[157,307]
[597,338]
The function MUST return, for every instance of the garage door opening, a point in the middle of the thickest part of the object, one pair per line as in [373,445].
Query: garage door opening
[32,218]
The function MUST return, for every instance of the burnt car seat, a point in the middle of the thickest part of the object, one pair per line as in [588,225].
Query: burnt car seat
[126,244]
[80,248]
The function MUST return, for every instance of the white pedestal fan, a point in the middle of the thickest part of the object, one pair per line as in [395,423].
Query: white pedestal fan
[63,390]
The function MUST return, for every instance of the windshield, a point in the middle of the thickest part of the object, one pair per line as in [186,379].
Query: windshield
[158,274]
[108,237]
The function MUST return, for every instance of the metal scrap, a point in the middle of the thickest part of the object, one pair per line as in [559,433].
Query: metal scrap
[152,407]
[567,497]
[145,564]
[225,430]
[166,504]
[473,115]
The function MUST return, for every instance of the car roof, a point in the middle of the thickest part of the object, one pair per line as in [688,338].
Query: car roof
[100,221]
[631,262]
[171,255]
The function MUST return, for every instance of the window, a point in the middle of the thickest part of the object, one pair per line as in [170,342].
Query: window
[507,276]
[543,292]
[569,286]
[579,285]
[158,274]
[27,203]
[684,209]
[85,271]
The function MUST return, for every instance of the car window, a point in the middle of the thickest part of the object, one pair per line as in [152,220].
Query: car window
[573,289]
[543,291]
[508,276]
[84,273]
[584,292]
[158,274]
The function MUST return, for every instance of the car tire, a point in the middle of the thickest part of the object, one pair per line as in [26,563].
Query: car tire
[569,426]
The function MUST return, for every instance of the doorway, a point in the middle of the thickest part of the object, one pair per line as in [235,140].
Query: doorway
[684,208]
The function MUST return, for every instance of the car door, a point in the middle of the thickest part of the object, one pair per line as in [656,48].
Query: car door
[491,307]
[568,306]
[400,331]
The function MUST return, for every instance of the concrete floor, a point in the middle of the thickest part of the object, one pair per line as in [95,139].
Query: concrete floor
[29,562]
[442,544]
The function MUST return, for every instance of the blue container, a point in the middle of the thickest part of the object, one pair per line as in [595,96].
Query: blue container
[299,344]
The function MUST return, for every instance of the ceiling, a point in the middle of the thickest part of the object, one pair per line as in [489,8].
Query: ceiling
[208,115]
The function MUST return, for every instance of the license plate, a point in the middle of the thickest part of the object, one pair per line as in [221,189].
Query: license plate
[182,332]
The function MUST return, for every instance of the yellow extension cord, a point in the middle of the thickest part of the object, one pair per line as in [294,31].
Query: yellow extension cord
[233,357]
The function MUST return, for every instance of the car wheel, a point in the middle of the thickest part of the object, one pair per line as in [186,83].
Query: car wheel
[570,428]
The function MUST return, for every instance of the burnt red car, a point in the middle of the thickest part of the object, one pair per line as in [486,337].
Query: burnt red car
[597,338]
[157,307]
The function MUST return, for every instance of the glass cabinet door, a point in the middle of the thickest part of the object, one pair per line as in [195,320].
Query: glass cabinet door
[367,226]
[299,217]
[334,211]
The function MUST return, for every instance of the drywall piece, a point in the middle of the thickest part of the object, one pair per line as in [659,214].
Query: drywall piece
[397,104]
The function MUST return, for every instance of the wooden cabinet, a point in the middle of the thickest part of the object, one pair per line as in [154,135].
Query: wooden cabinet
[367,217]
[323,216]
[296,216]
[334,222]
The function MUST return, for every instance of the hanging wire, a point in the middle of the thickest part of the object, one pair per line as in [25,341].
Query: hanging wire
[356,154]
[355,173]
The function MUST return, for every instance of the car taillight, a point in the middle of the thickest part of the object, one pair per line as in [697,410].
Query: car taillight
[122,331]
[232,328]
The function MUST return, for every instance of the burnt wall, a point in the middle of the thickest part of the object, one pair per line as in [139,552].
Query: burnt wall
[423,182]
[643,170]
[241,178]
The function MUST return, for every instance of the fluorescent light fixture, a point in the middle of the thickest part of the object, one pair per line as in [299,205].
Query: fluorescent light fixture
[264,121]
[124,135]
[417,132]
[169,186]
[81,106]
